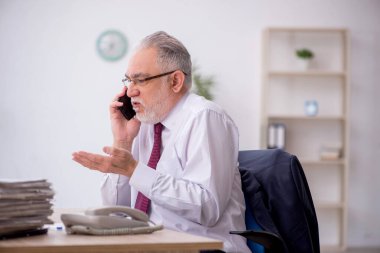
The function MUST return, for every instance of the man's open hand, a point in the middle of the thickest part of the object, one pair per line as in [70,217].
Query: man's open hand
[118,161]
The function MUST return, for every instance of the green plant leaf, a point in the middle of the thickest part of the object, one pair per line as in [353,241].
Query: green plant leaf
[202,84]
[304,53]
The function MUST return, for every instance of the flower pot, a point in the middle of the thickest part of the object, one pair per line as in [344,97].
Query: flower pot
[303,64]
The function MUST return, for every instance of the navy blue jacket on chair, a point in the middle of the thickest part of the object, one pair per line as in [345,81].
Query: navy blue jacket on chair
[277,193]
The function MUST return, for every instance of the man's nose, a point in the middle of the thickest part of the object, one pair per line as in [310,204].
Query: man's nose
[132,91]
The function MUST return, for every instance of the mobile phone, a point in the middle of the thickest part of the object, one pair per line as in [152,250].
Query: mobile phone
[126,109]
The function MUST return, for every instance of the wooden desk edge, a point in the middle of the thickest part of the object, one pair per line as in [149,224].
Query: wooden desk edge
[51,242]
[85,243]
[188,247]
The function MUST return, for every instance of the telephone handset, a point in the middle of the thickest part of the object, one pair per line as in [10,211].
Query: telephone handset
[111,220]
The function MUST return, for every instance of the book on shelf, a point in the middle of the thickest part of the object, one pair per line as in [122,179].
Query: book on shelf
[276,136]
[331,152]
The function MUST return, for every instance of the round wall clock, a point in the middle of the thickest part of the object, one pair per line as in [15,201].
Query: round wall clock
[111,45]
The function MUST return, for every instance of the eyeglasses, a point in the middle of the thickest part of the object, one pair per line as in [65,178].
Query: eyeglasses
[141,82]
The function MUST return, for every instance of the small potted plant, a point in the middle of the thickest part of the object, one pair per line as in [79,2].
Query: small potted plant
[202,84]
[305,56]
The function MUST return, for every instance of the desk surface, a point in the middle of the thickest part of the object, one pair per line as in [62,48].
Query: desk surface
[59,242]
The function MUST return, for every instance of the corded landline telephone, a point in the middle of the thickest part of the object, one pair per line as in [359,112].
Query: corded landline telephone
[111,220]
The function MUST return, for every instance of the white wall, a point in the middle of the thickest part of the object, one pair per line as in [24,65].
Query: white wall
[55,89]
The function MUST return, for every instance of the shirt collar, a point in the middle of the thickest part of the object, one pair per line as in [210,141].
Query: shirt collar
[171,120]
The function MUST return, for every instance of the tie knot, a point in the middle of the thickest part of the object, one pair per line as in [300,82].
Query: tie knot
[158,128]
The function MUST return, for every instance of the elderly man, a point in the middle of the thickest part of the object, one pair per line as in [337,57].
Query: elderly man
[177,158]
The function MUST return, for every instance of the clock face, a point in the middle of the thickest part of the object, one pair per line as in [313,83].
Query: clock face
[111,45]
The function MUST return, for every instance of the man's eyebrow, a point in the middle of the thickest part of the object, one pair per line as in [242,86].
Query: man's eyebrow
[137,75]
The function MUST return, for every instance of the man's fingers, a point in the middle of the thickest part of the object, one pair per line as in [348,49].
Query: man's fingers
[114,151]
[89,156]
[115,104]
[92,161]
[84,162]
[116,98]
[116,162]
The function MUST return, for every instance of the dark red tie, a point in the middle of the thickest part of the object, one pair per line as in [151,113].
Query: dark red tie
[142,202]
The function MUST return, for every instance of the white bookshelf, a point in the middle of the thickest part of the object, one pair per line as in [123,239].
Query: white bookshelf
[286,87]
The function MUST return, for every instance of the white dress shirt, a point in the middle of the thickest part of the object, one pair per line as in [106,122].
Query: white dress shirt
[196,187]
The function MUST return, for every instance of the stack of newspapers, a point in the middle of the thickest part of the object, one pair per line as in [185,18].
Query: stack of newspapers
[24,206]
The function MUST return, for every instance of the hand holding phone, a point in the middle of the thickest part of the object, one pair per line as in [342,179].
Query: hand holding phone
[126,109]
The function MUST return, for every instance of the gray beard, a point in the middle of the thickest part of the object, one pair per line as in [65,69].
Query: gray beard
[156,112]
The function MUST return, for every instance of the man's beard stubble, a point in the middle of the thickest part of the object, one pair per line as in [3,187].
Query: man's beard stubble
[154,112]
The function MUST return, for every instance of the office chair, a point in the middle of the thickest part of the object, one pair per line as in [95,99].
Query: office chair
[280,213]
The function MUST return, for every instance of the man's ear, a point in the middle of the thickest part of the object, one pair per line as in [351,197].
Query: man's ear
[178,81]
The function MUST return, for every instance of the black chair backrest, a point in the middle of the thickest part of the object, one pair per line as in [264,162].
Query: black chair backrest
[277,191]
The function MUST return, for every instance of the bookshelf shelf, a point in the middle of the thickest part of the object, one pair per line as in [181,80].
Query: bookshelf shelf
[327,205]
[302,117]
[331,248]
[307,73]
[308,162]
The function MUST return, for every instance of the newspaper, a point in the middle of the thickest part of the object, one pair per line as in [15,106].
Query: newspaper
[24,205]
